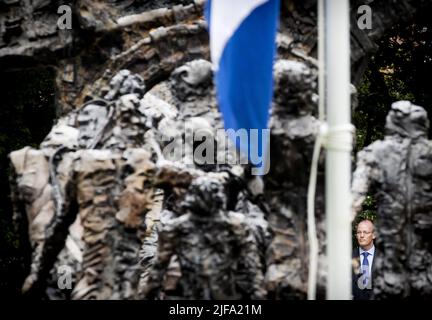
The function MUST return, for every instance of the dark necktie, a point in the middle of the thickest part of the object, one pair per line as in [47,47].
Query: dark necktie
[365,267]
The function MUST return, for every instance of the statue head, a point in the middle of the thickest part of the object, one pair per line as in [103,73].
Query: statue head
[125,82]
[407,120]
[91,119]
[295,86]
[129,127]
[192,79]
[205,196]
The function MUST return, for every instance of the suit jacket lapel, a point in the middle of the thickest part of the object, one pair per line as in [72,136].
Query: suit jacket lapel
[373,263]
[356,261]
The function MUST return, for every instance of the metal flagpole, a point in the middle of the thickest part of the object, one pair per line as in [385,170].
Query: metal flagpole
[339,145]
[321,60]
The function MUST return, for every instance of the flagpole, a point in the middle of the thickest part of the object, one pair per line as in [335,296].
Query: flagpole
[321,61]
[339,145]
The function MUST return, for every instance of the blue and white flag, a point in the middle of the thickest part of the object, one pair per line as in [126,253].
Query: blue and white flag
[243,46]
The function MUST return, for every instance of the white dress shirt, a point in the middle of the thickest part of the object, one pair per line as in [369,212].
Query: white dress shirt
[370,257]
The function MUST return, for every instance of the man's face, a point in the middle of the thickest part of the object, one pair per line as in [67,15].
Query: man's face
[365,234]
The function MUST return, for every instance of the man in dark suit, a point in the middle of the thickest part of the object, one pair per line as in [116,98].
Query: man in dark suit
[363,258]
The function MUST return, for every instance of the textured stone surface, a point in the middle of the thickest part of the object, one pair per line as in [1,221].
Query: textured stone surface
[153,38]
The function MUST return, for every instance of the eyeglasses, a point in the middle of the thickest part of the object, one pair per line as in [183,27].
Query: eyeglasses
[359,233]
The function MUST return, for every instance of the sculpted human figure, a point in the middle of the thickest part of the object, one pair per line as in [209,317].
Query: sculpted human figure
[38,181]
[191,148]
[113,191]
[293,127]
[125,82]
[91,119]
[217,254]
[397,172]
[109,189]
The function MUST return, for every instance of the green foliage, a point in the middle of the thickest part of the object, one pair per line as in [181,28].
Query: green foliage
[399,70]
